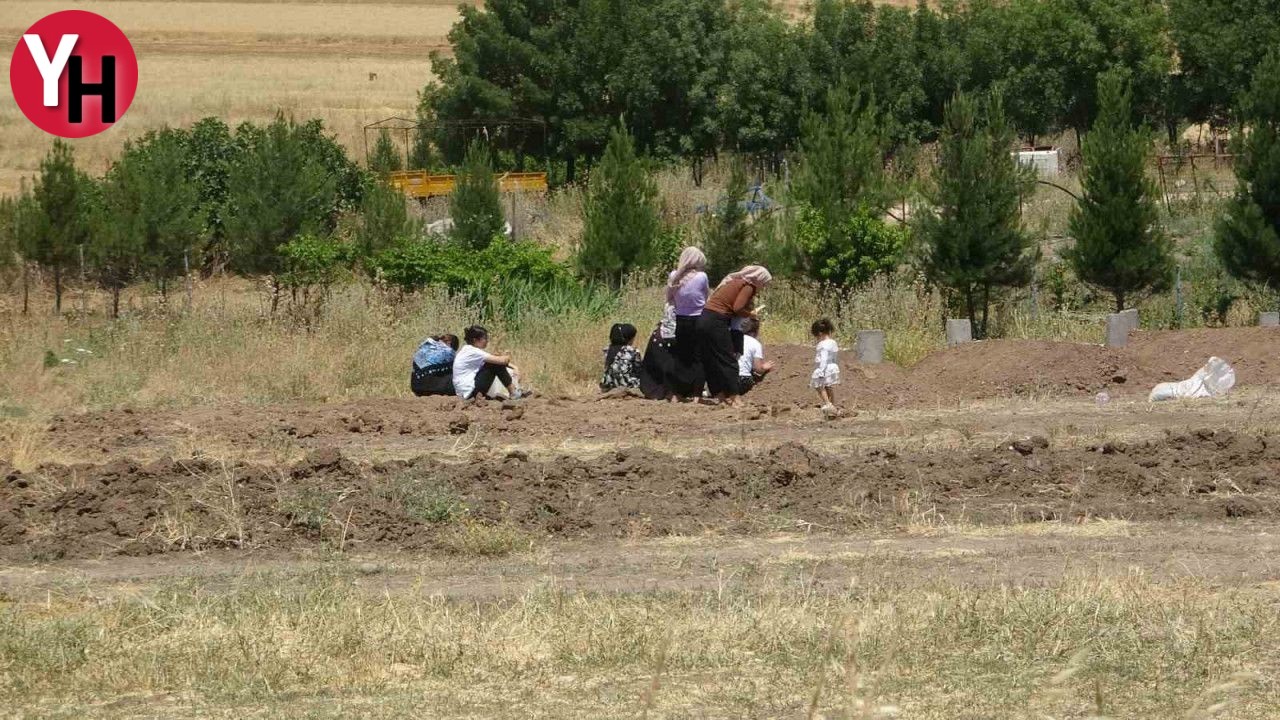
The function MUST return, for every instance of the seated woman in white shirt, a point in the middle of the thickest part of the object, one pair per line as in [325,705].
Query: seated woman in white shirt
[474,370]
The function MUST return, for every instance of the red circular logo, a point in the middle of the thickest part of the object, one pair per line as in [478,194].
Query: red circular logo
[73,73]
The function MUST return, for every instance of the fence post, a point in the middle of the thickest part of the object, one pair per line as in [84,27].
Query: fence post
[186,274]
[1177,298]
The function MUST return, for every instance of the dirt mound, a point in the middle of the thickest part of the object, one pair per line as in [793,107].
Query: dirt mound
[1156,357]
[127,508]
[1004,368]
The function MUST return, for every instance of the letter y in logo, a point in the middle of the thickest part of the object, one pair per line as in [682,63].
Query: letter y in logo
[50,70]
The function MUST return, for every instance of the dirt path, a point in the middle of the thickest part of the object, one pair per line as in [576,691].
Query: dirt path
[1240,554]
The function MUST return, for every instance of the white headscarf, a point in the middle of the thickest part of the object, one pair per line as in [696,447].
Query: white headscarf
[756,276]
[691,261]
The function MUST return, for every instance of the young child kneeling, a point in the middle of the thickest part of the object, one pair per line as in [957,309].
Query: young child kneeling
[621,359]
[752,366]
[474,370]
[826,373]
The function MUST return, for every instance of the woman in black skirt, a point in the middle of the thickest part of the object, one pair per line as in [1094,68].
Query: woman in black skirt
[687,291]
[735,297]
[656,366]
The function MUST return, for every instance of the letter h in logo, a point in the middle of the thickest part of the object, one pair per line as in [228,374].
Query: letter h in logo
[77,88]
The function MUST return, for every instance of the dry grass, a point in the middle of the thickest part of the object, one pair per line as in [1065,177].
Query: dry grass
[316,645]
[245,61]
[430,19]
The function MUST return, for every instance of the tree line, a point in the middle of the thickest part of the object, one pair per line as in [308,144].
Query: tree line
[696,77]
[177,201]
[969,238]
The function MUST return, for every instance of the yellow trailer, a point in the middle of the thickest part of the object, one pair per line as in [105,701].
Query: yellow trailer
[421,184]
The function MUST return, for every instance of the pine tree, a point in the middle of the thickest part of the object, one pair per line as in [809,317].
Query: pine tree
[972,243]
[620,214]
[64,198]
[9,229]
[151,219]
[1119,244]
[384,219]
[842,188]
[277,189]
[842,159]
[475,206]
[117,249]
[386,156]
[726,233]
[1248,236]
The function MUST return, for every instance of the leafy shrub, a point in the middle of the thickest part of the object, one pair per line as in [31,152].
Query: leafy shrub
[312,264]
[859,248]
[413,265]
[312,261]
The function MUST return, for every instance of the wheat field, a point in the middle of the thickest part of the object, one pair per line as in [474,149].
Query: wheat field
[348,63]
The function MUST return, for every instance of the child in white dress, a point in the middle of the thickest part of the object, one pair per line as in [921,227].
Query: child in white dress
[826,373]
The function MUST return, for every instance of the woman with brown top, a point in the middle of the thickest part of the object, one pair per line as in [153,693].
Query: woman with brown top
[735,297]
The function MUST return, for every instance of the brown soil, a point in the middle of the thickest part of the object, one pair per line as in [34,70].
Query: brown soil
[954,378]
[1003,368]
[123,507]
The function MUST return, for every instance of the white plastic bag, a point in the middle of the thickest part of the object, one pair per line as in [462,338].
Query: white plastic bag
[1212,380]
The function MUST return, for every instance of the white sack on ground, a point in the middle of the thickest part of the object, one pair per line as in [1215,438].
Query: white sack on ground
[1212,380]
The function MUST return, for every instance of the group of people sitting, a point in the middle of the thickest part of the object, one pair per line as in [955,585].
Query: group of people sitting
[707,343]
[706,347]
[440,367]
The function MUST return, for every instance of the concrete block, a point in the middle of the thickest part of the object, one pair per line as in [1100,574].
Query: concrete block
[1269,319]
[870,347]
[1117,330]
[959,331]
[1131,319]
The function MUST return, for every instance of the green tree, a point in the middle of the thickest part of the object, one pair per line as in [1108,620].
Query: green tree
[149,195]
[766,81]
[620,214]
[386,156]
[842,159]
[210,151]
[278,188]
[384,219]
[842,188]
[1220,43]
[1119,244]
[9,229]
[475,205]
[422,154]
[854,252]
[1248,236]
[726,230]
[971,242]
[312,264]
[63,196]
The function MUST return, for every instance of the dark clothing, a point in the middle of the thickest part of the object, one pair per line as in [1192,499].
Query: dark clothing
[434,379]
[657,367]
[715,349]
[736,336]
[687,375]
[423,383]
[622,368]
[486,375]
[745,384]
